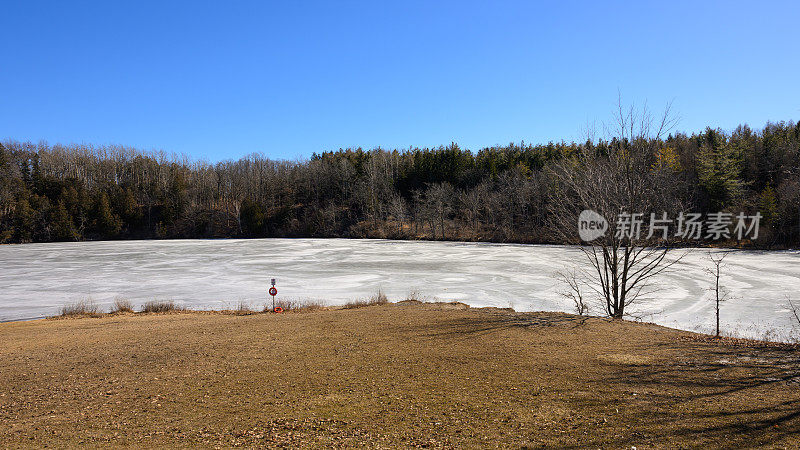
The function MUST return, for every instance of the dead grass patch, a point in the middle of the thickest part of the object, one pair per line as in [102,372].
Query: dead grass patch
[86,307]
[379,298]
[288,304]
[161,306]
[625,359]
[243,309]
[122,305]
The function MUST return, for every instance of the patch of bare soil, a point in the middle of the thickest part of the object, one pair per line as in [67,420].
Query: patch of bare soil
[397,375]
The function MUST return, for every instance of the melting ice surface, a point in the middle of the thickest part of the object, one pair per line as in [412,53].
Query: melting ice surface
[37,279]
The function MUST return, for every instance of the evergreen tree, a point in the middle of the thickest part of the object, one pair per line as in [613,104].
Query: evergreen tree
[24,220]
[107,224]
[253,218]
[63,226]
[131,212]
[719,170]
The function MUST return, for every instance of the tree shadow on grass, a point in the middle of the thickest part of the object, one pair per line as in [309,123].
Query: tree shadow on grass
[696,393]
[471,326]
[716,396]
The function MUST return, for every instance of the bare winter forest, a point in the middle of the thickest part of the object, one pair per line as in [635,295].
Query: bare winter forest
[500,194]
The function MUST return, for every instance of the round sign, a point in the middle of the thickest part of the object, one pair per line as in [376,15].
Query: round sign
[272,291]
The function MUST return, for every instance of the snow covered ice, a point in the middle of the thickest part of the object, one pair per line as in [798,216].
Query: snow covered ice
[37,279]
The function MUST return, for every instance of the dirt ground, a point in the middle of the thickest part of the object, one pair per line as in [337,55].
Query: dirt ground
[398,375]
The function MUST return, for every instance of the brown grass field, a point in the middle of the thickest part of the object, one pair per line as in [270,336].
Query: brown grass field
[388,376]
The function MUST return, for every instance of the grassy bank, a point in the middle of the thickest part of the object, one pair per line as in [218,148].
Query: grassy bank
[390,375]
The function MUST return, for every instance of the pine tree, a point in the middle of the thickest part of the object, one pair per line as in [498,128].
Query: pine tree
[719,169]
[130,211]
[107,224]
[24,220]
[768,205]
[63,226]
[253,217]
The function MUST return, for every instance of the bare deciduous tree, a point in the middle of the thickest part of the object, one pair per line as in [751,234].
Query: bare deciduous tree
[720,292]
[398,209]
[573,289]
[622,185]
[793,309]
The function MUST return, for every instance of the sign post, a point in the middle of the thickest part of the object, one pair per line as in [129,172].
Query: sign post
[273,292]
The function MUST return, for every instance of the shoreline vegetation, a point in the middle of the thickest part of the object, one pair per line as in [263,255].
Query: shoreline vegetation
[404,374]
[88,308]
[122,307]
[495,194]
[699,245]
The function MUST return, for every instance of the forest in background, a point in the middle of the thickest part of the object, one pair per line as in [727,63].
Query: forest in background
[498,194]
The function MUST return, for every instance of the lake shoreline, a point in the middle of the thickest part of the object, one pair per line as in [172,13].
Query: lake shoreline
[40,279]
[679,246]
[699,336]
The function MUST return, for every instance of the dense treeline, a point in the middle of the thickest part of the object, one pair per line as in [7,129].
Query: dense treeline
[64,193]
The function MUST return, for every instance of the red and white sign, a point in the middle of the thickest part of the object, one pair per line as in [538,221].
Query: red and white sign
[272,291]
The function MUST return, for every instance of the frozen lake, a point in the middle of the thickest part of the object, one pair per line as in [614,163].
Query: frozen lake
[37,279]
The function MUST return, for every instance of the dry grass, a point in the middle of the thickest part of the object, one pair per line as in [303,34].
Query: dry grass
[288,304]
[122,305]
[244,308]
[161,306]
[86,307]
[414,295]
[394,376]
[378,299]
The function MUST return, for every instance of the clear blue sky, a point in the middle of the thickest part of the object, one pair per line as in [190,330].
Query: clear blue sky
[224,79]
